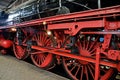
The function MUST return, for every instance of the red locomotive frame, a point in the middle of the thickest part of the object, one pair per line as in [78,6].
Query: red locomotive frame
[86,43]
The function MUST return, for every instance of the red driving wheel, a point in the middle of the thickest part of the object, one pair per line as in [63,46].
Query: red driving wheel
[41,59]
[83,70]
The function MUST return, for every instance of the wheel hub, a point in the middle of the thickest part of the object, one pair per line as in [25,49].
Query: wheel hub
[84,52]
[83,62]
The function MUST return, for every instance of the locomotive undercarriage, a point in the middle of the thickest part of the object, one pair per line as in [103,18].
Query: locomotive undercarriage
[86,43]
[79,60]
[89,54]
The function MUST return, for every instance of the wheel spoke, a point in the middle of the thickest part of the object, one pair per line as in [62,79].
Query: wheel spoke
[80,44]
[48,42]
[20,51]
[86,73]
[77,71]
[93,50]
[81,75]
[93,44]
[43,58]
[84,41]
[92,67]
[73,68]
[87,45]
[45,38]
[42,37]
[69,64]
[91,72]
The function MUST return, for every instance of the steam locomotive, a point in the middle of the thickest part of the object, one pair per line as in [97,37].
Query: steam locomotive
[87,43]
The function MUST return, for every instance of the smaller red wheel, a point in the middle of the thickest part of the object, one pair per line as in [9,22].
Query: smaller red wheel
[41,59]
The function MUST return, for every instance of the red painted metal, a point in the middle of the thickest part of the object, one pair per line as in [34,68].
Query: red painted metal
[6,43]
[97,23]
[72,26]
[102,32]
[118,67]
[87,48]
[97,68]
[114,54]
[81,58]
[109,73]
[107,39]
[67,54]
[42,59]
[19,51]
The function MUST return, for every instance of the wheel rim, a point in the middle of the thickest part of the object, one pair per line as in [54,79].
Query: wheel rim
[83,70]
[20,51]
[42,59]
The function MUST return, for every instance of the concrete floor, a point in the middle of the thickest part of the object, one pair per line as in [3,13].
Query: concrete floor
[14,69]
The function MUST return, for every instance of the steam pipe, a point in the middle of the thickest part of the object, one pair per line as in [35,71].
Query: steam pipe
[99,3]
[60,3]
[21,5]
